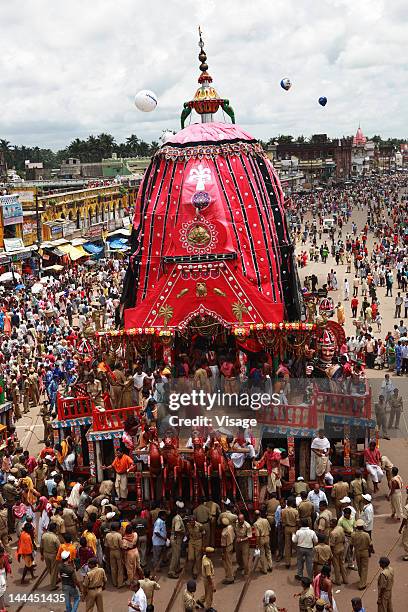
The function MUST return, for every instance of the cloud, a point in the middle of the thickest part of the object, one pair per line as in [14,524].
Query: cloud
[71,69]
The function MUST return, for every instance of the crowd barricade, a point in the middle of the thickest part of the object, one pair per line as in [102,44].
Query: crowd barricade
[345,404]
[74,407]
[113,419]
[303,415]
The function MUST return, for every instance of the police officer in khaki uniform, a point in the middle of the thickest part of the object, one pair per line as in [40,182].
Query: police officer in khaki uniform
[189,601]
[361,542]
[305,509]
[404,529]
[215,510]
[4,537]
[299,486]
[93,585]
[262,532]
[49,546]
[358,487]
[207,572]
[70,519]
[227,545]
[340,489]
[202,515]
[227,511]
[271,507]
[385,583]
[322,554]
[243,534]
[306,597]
[11,495]
[92,509]
[323,520]
[59,521]
[290,522]
[178,531]
[337,540]
[195,532]
[113,548]
[149,585]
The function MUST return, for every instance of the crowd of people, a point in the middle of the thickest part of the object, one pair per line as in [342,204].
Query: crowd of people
[87,537]
[82,530]
[375,255]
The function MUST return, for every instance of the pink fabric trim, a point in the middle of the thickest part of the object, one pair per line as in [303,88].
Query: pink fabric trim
[209,132]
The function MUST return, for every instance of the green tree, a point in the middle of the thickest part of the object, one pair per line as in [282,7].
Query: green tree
[283,138]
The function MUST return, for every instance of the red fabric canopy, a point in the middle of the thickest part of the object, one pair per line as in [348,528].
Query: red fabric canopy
[210,209]
[220,292]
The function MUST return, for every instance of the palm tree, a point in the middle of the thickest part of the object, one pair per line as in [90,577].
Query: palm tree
[106,144]
[154,145]
[93,146]
[77,149]
[285,138]
[132,142]
[7,152]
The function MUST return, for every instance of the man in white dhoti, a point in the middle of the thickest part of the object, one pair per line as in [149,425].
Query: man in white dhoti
[372,459]
[320,462]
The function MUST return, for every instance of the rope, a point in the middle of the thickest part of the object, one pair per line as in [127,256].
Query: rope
[246,584]
[378,571]
[33,588]
[175,591]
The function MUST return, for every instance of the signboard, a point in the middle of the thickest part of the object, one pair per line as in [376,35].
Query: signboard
[56,230]
[24,196]
[13,244]
[29,227]
[94,231]
[68,228]
[21,256]
[12,210]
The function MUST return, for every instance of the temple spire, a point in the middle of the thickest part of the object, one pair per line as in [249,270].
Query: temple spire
[202,56]
[206,100]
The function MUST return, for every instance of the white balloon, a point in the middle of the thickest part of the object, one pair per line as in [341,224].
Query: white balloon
[146,100]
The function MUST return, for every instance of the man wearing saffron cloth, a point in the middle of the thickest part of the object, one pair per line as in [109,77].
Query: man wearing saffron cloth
[320,457]
[121,465]
[372,459]
[25,550]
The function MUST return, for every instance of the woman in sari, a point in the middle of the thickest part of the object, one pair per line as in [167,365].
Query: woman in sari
[45,509]
[132,559]
[90,538]
[84,553]
[268,602]
[19,511]
[127,389]
[25,551]
[7,324]
[5,569]
[6,463]
[30,494]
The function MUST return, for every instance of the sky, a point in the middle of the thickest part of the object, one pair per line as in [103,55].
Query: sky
[70,69]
